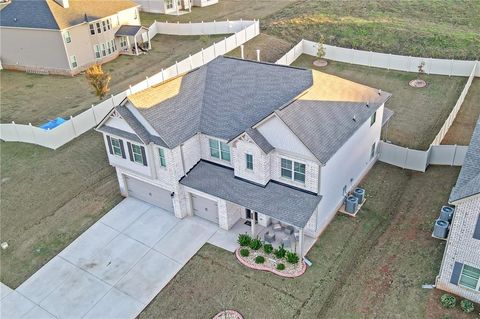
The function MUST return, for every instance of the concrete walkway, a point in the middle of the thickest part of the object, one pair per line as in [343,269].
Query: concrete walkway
[116,267]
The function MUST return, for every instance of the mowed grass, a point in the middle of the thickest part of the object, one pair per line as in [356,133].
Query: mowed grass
[48,198]
[371,266]
[419,113]
[438,28]
[31,98]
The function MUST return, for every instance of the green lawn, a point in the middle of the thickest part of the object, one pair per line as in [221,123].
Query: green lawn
[428,28]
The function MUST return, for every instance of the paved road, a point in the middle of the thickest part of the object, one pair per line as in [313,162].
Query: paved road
[115,268]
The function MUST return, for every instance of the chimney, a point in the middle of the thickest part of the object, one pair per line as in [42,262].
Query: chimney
[63,3]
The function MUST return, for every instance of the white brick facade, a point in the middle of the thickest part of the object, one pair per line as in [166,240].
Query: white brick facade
[461,247]
[261,161]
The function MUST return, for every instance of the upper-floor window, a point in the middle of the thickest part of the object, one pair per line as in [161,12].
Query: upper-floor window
[104,24]
[73,61]
[163,161]
[470,277]
[219,150]
[116,147]
[373,118]
[169,4]
[249,161]
[293,170]
[109,24]
[92,29]
[99,27]
[67,37]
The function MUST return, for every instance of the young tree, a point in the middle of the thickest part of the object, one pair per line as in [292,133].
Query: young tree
[98,79]
[421,71]
[321,47]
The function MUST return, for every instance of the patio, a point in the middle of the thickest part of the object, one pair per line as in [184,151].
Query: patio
[134,39]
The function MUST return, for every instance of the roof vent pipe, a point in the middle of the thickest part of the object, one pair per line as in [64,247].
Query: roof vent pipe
[242,55]
[354,118]
[258,55]
[379,92]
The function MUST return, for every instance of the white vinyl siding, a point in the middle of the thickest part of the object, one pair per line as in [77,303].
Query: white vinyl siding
[219,150]
[293,170]
[470,277]
[163,161]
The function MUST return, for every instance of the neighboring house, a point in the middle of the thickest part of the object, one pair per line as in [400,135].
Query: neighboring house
[67,36]
[460,270]
[237,139]
[175,7]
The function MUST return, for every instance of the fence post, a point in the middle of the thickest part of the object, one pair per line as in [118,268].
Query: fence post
[73,126]
[16,130]
[406,157]
[242,54]
[34,137]
[94,116]
[146,80]
[226,48]
[163,75]
[129,88]
[454,155]
[214,50]
[190,61]
[451,67]
[236,39]
[203,57]
[214,27]
[113,102]
[176,66]
[389,61]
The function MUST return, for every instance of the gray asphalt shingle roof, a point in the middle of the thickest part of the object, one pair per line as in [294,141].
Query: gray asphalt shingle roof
[224,98]
[128,30]
[468,182]
[28,14]
[120,133]
[260,140]
[287,204]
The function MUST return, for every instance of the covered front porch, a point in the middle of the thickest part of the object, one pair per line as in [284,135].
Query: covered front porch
[133,39]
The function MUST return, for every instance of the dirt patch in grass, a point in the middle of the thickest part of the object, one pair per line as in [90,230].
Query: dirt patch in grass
[37,98]
[440,29]
[369,266]
[462,129]
[419,113]
[271,48]
[48,198]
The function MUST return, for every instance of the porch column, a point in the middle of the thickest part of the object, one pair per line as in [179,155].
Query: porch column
[300,242]
[149,41]
[128,44]
[136,47]
[252,222]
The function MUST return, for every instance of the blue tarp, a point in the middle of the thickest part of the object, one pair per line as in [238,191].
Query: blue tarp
[52,124]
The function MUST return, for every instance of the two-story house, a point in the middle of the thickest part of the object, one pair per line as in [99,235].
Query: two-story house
[175,7]
[460,270]
[67,36]
[237,139]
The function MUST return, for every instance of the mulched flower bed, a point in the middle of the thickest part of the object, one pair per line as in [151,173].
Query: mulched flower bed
[270,264]
[417,83]
[228,314]
[320,63]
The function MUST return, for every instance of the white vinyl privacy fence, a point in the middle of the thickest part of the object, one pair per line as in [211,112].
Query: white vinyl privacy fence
[243,31]
[389,153]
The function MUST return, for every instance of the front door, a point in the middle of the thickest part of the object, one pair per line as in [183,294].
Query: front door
[250,214]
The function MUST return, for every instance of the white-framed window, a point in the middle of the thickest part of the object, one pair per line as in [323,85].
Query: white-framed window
[67,37]
[96,48]
[116,148]
[373,118]
[137,154]
[92,29]
[249,161]
[161,154]
[73,61]
[219,150]
[104,50]
[99,28]
[109,47]
[123,42]
[109,24]
[114,46]
[104,24]
[169,4]
[372,150]
[470,277]
[293,170]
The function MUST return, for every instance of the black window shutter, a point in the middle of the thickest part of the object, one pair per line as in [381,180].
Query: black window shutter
[457,269]
[144,156]
[109,144]
[130,152]
[476,231]
[123,149]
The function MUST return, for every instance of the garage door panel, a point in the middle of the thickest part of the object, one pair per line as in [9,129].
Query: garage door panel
[149,193]
[205,208]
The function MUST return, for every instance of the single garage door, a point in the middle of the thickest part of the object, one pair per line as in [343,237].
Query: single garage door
[149,193]
[205,208]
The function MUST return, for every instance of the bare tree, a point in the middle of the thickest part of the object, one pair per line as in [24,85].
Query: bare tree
[98,79]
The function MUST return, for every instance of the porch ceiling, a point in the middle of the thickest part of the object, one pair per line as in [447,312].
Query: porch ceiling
[279,201]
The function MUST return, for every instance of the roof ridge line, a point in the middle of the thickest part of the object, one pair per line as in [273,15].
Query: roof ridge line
[265,62]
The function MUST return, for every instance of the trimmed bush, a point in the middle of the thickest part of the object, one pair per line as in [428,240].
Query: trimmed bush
[244,252]
[280,266]
[259,260]
[448,301]
[280,252]
[244,240]
[292,257]
[255,244]
[467,306]
[267,248]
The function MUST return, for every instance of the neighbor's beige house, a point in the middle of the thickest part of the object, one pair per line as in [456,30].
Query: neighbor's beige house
[175,7]
[67,36]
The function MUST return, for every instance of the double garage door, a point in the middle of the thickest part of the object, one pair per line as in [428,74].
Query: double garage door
[205,208]
[149,193]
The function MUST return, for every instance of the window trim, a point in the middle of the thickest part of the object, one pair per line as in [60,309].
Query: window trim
[138,154]
[163,160]
[292,170]
[168,4]
[219,144]
[477,288]
[248,161]
[92,29]
[99,27]
[114,147]
[67,37]
[96,49]
[73,61]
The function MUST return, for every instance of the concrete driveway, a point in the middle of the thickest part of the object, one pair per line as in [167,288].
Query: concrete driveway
[114,269]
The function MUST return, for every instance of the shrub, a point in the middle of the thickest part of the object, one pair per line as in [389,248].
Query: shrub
[244,240]
[280,266]
[267,248]
[259,260]
[448,301]
[280,252]
[255,244]
[292,257]
[244,252]
[467,305]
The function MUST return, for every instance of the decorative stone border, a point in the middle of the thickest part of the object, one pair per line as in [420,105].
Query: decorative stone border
[248,263]
[230,314]
[417,83]
[320,63]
